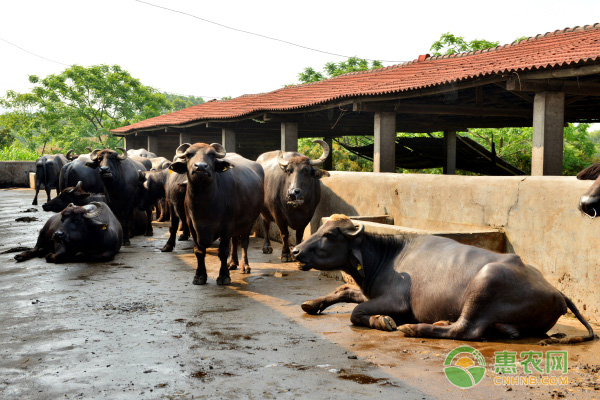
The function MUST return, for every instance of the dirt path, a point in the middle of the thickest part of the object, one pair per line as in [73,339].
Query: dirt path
[136,328]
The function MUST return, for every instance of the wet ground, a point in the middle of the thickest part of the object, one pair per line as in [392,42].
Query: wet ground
[136,328]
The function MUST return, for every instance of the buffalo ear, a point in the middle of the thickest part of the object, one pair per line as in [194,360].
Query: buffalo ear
[222,166]
[591,173]
[179,166]
[320,173]
[98,225]
[91,164]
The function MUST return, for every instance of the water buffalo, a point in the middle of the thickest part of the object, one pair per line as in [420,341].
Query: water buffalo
[176,188]
[140,153]
[292,193]
[73,195]
[223,199]
[153,189]
[88,233]
[120,177]
[589,203]
[47,173]
[433,286]
[77,171]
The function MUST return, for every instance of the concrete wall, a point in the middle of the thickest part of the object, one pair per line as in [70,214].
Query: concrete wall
[15,173]
[538,215]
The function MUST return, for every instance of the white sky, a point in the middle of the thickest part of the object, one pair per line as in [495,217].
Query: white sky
[180,54]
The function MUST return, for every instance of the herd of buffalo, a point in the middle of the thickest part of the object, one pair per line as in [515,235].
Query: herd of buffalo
[424,286]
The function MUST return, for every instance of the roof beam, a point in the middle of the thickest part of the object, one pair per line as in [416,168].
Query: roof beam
[562,73]
[442,109]
[555,85]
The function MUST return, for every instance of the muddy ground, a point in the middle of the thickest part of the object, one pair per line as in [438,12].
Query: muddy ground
[136,328]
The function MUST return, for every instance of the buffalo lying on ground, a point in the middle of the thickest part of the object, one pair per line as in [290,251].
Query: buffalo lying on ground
[589,203]
[73,195]
[433,286]
[47,173]
[88,233]
[121,177]
[292,193]
[223,199]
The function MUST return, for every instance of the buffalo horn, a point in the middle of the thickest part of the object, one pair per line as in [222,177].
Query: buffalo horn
[124,155]
[94,214]
[94,154]
[181,149]
[68,156]
[76,188]
[359,229]
[282,161]
[220,150]
[326,151]
[89,149]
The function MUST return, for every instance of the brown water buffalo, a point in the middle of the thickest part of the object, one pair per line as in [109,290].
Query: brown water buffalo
[176,188]
[433,286]
[47,174]
[589,203]
[292,193]
[223,200]
[88,233]
[121,177]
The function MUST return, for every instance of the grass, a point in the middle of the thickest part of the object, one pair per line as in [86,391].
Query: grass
[17,153]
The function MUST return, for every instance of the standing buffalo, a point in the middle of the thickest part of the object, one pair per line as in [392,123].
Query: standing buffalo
[590,201]
[120,177]
[223,199]
[140,153]
[292,193]
[77,171]
[176,188]
[47,173]
[426,281]
[88,233]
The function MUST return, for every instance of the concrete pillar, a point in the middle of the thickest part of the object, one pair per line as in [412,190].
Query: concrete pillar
[289,136]
[449,167]
[384,157]
[328,164]
[185,137]
[548,133]
[228,140]
[152,144]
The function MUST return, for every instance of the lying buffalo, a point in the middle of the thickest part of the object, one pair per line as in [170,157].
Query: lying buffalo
[223,198]
[435,286]
[47,173]
[88,233]
[292,193]
[73,195]
[590,201]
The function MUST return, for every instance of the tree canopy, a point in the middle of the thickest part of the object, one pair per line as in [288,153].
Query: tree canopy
[332,69]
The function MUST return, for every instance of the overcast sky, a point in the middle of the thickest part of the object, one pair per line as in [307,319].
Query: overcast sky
[182,54]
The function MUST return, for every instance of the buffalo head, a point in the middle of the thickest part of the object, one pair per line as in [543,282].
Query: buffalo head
[200,161]
[301,172]
[107,161]
[74,194]
[334,246]
[79,224]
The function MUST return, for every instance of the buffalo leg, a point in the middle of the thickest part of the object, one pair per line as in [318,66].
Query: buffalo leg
[59,255]
[149,231]
[37,191]
[185,231]
[461,330]
[48,190]
[300,235]
[224,277]
[200,277]
[170,245]
[233,261]
[286,255]
[180,212]
[343,294]
[245,267]
[377,313]
[267,249]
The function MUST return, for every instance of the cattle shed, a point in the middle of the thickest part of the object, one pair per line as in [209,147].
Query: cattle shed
[542,82]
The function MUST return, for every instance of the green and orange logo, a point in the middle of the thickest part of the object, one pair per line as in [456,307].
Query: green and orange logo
[464,367]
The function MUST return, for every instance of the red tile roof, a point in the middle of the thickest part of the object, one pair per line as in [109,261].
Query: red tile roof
[554,49]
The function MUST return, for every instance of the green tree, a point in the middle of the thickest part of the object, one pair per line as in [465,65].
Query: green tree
[331,69]
[79,106]
[451,44]
[179,102]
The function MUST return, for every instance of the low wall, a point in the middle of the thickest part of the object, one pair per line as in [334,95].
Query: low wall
[15,173]
[538,215]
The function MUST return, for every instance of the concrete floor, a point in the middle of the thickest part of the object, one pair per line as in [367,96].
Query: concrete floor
[136,328]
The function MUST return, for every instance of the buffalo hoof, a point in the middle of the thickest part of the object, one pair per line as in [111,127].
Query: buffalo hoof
[199,280]
[167,248]
[21,257]
[408,330]
[232,266]
[312,307]
[182,238]
[51,257]
[245,270]
[383,323]
[223,280]
[267,249]
[286,258]
[34,202]
[442,323]
[149,233]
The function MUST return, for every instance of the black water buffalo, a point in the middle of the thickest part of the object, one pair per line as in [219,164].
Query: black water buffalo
[292,193]
[435,286]
[47,173]
[153,189]
[176,188]
[589,203]
[223,199]
[77,171]
[73,195]
[121,177]
[88,233]
[140,153]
